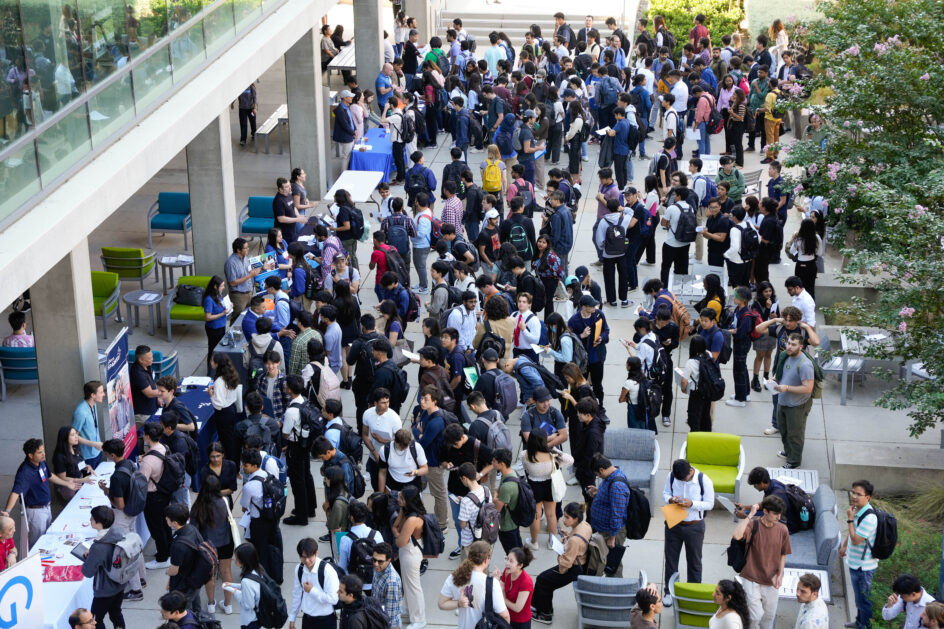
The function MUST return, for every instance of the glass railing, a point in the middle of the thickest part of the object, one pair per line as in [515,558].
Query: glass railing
[75,75]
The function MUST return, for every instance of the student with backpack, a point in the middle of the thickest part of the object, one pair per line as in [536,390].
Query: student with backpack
[359,610]
[862,524]
[476,595]
[210,515]
[743,246]
[478,518]
[127,492]
[590,326]
[356,548]
[315,585]
[681,219]
[608,510]
[518,230]
[419,179]
[699,405]
[400,229]
[610,238]
[248,591]
[514,501]
[193,561]
[108,594]
[570,564]
[745,320]
[159,491]
[257,501]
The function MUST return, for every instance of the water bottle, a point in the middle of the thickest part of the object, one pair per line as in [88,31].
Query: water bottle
[805,517]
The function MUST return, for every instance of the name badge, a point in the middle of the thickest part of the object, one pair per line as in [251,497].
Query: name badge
[42,475]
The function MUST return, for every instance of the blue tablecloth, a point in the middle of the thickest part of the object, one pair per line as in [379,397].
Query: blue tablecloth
[198,402]
[379,158]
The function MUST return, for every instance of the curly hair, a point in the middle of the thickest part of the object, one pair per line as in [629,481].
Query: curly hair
[479,553]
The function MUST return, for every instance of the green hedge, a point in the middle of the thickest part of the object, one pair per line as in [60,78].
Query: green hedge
[724,18]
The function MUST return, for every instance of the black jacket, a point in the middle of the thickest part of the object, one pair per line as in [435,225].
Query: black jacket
[588,443]
[97,563]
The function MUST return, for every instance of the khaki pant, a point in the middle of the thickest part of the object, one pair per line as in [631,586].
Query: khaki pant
[38,520]
[762,601]
[436,478]
[240,303]
[772,129]
[700,240]
[410,559]
[351,247]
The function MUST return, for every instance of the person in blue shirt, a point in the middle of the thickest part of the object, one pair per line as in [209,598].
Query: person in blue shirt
[461,130]
[428,431]
[412,189]
[296,255]
[384,85]
[277,246]
[330,456]
[560,222]
[714,338]
[589,324]
[662,298]
[85,421]
[526,373]
[639,96]
[608,510]
[706,74]
[620,134]
[282,313]
[392,290]
[741,345]
[174,608]
[215,312]
[343,132]
[256,310]
[775,190]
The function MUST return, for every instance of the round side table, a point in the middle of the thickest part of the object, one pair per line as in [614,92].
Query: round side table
[143,298]
[169,262]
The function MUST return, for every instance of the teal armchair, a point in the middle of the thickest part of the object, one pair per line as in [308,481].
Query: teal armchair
[17,366]
[170,213]
[256,218]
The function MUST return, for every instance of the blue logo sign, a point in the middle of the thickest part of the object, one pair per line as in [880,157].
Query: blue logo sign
[20,580]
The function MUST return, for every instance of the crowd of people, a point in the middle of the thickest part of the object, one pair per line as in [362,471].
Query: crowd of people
[498,297]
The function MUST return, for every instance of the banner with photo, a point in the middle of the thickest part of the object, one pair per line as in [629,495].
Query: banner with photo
[118,387]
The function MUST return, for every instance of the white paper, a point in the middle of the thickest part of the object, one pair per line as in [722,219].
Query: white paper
[678,375]
[227,302]
[168,260]
[364,147]
[699,229]
[771,385]
[602,131]
[727,504]
[537,349]
[556,545]
[149,297]
[411,355]
[185,259]
[196,381]
[305,240]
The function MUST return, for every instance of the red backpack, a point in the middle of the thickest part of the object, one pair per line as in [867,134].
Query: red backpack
[757,319]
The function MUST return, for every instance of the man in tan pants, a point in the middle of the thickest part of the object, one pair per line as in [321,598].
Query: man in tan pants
[428,431]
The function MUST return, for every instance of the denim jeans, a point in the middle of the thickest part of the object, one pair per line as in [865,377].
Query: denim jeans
[861,588]
[419,261]
[742,384]
[704,141]
[471,229]
[528,170]
[455,520]
[632,278]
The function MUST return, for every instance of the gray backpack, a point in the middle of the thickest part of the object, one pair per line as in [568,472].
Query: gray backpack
[126,558]
[499,436]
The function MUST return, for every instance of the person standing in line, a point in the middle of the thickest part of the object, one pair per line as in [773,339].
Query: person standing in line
[85,421]
[297,455]
[769,545]
[184,554]
[386,587]
[608,510]
[408,529]
[862,526]
[693,491]
[314,590]
[264,533]
[794,377]
[813,611]
[107,594]
[118,487]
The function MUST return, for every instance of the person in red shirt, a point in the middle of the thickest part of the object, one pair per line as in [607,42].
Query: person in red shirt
[7,546]
[518,587]
[697,32]
[378,260]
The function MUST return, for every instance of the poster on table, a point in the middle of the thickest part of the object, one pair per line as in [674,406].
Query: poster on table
[118,387]
[21,594]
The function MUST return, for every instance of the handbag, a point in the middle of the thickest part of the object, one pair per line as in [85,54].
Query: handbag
[399,359]
[558,484]
[188,295]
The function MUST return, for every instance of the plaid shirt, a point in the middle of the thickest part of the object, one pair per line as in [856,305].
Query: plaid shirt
[281,400]
[399,219]
[608,511]
[452,213]
[299,357]
[388,589]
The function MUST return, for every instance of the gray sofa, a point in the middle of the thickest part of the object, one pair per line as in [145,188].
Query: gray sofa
[818,548]
[636,452]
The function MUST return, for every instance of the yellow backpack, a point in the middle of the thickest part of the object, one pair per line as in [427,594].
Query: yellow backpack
[492,178]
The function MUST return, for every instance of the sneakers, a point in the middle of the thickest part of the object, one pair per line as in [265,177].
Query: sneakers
[211,607]
[416,625]
[134,595]
[666,421]
[475,150]
[456,553]
[299,521]
[782,454]
[733,402]
[766,160]
[227,609]
[422,291]
[771,431]
[324,539]
[755,384]
[667,600]
[532,545]
[787,466]
[346,384]
[544,619]
[154,564]
[611,303]
[625,303]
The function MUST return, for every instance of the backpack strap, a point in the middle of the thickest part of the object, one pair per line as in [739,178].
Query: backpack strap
[475,453]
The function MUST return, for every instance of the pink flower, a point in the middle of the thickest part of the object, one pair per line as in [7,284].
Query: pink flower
[838,210]
[908,275]
[925,77]
[902,327]
[852,51]
[906,312]
[847,123]
[798,190]
[813,168]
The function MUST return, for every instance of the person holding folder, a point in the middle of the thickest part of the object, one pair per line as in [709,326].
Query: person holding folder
[693,491]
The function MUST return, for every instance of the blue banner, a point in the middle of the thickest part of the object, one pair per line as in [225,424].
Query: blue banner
[118,386]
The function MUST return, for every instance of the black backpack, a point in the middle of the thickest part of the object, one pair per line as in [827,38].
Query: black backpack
[525,509]
[359,487]
[193,455]
[710,381]
[650,397]
[800,500]
[433,542]
[407,129]
[660,361]
[172,477]
[374,615]
[686,223]
[314,282]
[416,182]
[357,223]
[750,242]
[614,240]
[361,561]
[350,443]
[401,387]
[396,265]
[453,295]
[309,428]
[257,362]
[273,498]
[726,346]
[207,564]
[738,549]
[535,287]
[886,533]
[489,619]
[638,512]
[272,612]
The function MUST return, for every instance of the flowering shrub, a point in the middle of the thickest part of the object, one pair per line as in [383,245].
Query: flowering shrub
[882,172]
[724,18]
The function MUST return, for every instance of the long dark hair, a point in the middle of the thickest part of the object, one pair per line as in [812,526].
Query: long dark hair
[334,483]
[389,308]
[713,289]
[807,237]
[697,346]
[297,253]
[248,558]
[537,442]
[543,264]
[634,369]
[344,301]
[225,370]
[412,502]
[213,289]
[737,599]
[202,511]
[820,223]
[556,327]
[62,443]
[272,238]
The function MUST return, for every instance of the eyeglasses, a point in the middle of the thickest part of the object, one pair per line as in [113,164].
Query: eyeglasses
[380,561]
[857,494]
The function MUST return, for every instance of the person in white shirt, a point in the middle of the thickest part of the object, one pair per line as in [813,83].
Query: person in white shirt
[226,395]
[357,512]
[471,577]
[802,300]
[527,328]
[907,596]
[463,319]
[694,491]
[263,532]
[737,267]
[813,611]
[380,424]
[648,343]
[315,589]
[402,462]
[294,437]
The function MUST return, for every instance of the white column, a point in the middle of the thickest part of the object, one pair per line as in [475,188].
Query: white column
[368,41]
[306,100]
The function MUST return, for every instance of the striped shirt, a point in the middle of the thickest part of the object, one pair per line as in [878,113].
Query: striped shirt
[859,556]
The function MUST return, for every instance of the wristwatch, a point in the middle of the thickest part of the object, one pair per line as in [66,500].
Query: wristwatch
[849,521]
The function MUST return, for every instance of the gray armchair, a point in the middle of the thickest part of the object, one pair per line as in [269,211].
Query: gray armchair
[636,452]
[818,548]
[605,601]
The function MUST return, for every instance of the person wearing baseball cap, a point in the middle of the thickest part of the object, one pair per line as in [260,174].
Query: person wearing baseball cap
[589,324]
[529,146]
[640,219]
[544,416]
[488,242]
[343,132]
[587,285]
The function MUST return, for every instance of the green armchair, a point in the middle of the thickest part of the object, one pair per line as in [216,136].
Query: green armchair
[179,313]
[106,293]
[694,603]
[170,213]
[720,457]
[129,263]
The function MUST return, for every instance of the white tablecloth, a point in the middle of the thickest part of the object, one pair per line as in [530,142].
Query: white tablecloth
[60,599]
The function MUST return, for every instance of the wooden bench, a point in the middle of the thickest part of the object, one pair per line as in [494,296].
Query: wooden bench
[277,120]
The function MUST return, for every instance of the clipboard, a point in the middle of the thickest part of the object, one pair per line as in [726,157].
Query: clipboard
[674,514]
[81,549]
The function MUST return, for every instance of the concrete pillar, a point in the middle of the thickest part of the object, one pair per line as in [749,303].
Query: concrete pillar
[306,104]
[423,12]
[212,196]
[66,340]
[368,39]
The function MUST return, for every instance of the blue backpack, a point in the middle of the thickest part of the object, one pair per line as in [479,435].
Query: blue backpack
[397,236]
[711,190]
[609,91]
